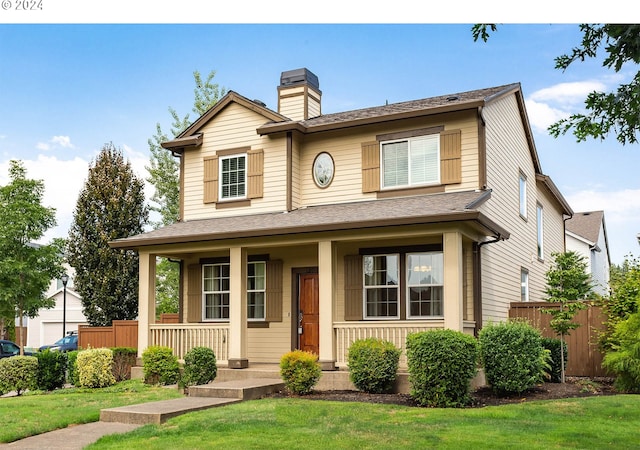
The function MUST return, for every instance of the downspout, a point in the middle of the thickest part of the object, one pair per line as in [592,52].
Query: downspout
[564,229]
[477,281]
[289,180]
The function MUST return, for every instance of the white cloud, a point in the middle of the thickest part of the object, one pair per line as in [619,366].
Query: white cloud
[62,141]
[43,146]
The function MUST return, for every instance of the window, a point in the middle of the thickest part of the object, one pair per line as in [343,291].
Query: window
[540,225]
[381,287]
[523,195]
[411,162]
[216,291]
[524,285]
[425,275]
[233,177]
[256,290]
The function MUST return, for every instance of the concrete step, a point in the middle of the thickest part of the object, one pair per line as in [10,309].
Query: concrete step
[158,412]
[247,389]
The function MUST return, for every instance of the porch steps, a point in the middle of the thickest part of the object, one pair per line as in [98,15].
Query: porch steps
[200,397]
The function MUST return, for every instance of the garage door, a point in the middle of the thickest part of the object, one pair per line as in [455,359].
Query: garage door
[52,331]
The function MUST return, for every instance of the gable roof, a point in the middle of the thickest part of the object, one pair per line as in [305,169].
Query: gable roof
[423,209]
[587,225]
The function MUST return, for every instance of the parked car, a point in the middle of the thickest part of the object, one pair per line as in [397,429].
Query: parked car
[8,348]
[65,344]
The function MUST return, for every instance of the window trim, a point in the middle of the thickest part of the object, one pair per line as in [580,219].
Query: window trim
[524,283]
[540,231]
[408,287]
[522,195]
[204,294]
[430,136]
[221,159]
[365,316]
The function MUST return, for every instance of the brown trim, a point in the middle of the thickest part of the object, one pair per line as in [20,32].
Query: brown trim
[555,192]
[482,151]
[257,324]
[178,145]
[289,181]
[233,151]
[232,204]
[390,193]
[410,133]
[295,302]
[181,193]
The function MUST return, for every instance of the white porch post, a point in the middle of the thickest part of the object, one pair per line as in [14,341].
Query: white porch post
[326,269]
[453,293]
[146,298]
[238,308]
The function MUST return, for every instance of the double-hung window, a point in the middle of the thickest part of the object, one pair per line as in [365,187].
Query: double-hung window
[381,286]
[425,279]
[523,196]
[540,231]
[216,291]
[524,285]
[233,176]
[256,285]
[411,162]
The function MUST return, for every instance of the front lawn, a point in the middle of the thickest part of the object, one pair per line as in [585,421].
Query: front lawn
[593,423]
[36,413]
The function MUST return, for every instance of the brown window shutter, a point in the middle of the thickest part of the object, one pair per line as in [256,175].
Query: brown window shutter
[370,166]
[450,157]
[273,297]
[255,173]
[353,287]
[194,293]
[211,179]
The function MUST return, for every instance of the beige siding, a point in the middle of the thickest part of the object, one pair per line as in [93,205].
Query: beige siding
[235,127]
[508,154]
[345,148]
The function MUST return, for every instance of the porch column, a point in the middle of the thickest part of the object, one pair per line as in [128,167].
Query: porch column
[453,291]
[146,298]
[326,269]
[238,358]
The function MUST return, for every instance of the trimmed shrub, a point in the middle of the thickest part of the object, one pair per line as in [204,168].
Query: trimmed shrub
[441,365]
[95,368]
[160,366]
[553,345]
[513,357]
[52,370]
[300,371]
[18,373]
[199,366]
[72,368]
[124,358]
[373,364]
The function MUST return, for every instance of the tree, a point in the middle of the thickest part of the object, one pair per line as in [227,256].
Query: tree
[617,111]
[110,206]
[26,268]
[568,284]
[164,175]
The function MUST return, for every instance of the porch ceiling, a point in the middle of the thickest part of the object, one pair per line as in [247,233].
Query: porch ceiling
[415,210]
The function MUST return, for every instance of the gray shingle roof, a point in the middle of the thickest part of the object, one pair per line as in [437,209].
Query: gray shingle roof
[432,208]
[586,224]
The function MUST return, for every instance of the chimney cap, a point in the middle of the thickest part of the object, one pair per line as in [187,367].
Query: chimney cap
[299,76]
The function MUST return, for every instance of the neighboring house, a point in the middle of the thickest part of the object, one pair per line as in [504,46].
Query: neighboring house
[304,230]
[587,236]
[46,328]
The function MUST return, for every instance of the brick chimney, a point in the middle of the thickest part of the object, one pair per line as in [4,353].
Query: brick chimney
[299,95]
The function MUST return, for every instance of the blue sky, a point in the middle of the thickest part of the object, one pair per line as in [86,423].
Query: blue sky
[66,89]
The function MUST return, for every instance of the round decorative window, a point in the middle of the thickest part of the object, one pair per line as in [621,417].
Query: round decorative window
[323,170]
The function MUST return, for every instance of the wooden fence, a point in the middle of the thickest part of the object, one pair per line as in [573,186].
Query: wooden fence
[585,358]
[122,333]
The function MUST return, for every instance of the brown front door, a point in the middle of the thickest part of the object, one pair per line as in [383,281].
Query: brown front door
[308,313]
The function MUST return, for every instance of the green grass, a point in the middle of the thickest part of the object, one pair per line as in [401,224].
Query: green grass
[587,423]
[38,412]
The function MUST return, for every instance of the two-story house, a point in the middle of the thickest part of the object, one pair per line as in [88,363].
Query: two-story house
[307,230]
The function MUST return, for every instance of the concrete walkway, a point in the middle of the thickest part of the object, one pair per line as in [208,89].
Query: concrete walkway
[127,418]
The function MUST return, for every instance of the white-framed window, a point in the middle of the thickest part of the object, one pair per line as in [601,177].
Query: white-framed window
[215,282]
[381,286]
[233,176]
[411,162]
[524,285]
[425,281]
[523,196]
[256,290]
[540,230]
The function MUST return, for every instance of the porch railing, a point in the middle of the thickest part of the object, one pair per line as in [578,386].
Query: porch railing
[182,337]
[396,332]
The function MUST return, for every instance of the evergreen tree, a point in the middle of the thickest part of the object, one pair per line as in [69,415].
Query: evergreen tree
[26,268]
[110,206]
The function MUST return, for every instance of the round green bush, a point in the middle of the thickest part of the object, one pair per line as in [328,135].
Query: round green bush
[513,356]
[160,366]
[553,345]
[199,366]
[300,371]
[18,373]
[52,370]
[373,364]
[72,368]
[95,368]
[441,365]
